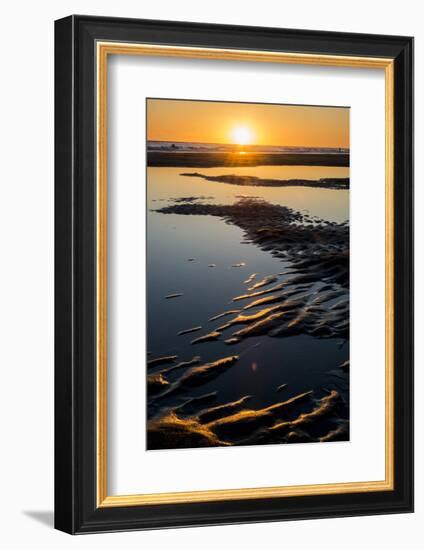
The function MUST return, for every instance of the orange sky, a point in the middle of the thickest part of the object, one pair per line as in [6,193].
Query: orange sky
[216,122]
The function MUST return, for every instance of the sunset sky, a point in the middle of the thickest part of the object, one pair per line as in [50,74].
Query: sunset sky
[255,124]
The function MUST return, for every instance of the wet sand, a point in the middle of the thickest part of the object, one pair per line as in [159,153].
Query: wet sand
[207,160]
[323,183]
[311,297]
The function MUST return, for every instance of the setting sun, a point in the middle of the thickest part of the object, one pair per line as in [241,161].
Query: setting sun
[242,135]
[243,124]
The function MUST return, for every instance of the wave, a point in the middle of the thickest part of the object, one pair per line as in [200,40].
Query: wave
[197,147]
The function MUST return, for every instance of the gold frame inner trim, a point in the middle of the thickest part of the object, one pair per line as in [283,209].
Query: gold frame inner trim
[103,50]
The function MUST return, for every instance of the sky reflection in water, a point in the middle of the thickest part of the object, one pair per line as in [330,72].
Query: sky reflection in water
[265,363]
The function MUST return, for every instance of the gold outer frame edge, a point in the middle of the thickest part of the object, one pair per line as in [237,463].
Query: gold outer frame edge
[103,49]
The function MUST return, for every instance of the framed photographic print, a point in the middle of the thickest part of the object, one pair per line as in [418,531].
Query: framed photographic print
[233,274]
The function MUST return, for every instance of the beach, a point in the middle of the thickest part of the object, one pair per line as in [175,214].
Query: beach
[197,159]
[248,298]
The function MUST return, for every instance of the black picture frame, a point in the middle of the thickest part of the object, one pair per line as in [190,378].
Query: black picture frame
[76,509]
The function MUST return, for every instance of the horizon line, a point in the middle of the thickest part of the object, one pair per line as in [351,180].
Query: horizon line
[249,144]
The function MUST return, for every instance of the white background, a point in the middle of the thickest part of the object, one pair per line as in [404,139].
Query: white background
[131,79]
[26,289]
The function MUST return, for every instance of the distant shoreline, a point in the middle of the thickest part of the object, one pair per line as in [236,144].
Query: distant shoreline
[217,159]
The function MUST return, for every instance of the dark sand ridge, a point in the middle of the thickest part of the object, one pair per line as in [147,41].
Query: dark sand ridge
[309,298]
[215,159]
[318,250]
[313,416]
[301,418]
[234,179]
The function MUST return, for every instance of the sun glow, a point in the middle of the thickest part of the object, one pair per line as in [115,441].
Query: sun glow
[241,135]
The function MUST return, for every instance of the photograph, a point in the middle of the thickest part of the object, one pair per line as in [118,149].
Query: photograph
[247,273]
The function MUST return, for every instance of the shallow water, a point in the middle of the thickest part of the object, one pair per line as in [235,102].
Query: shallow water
[302,362]
[328,204]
